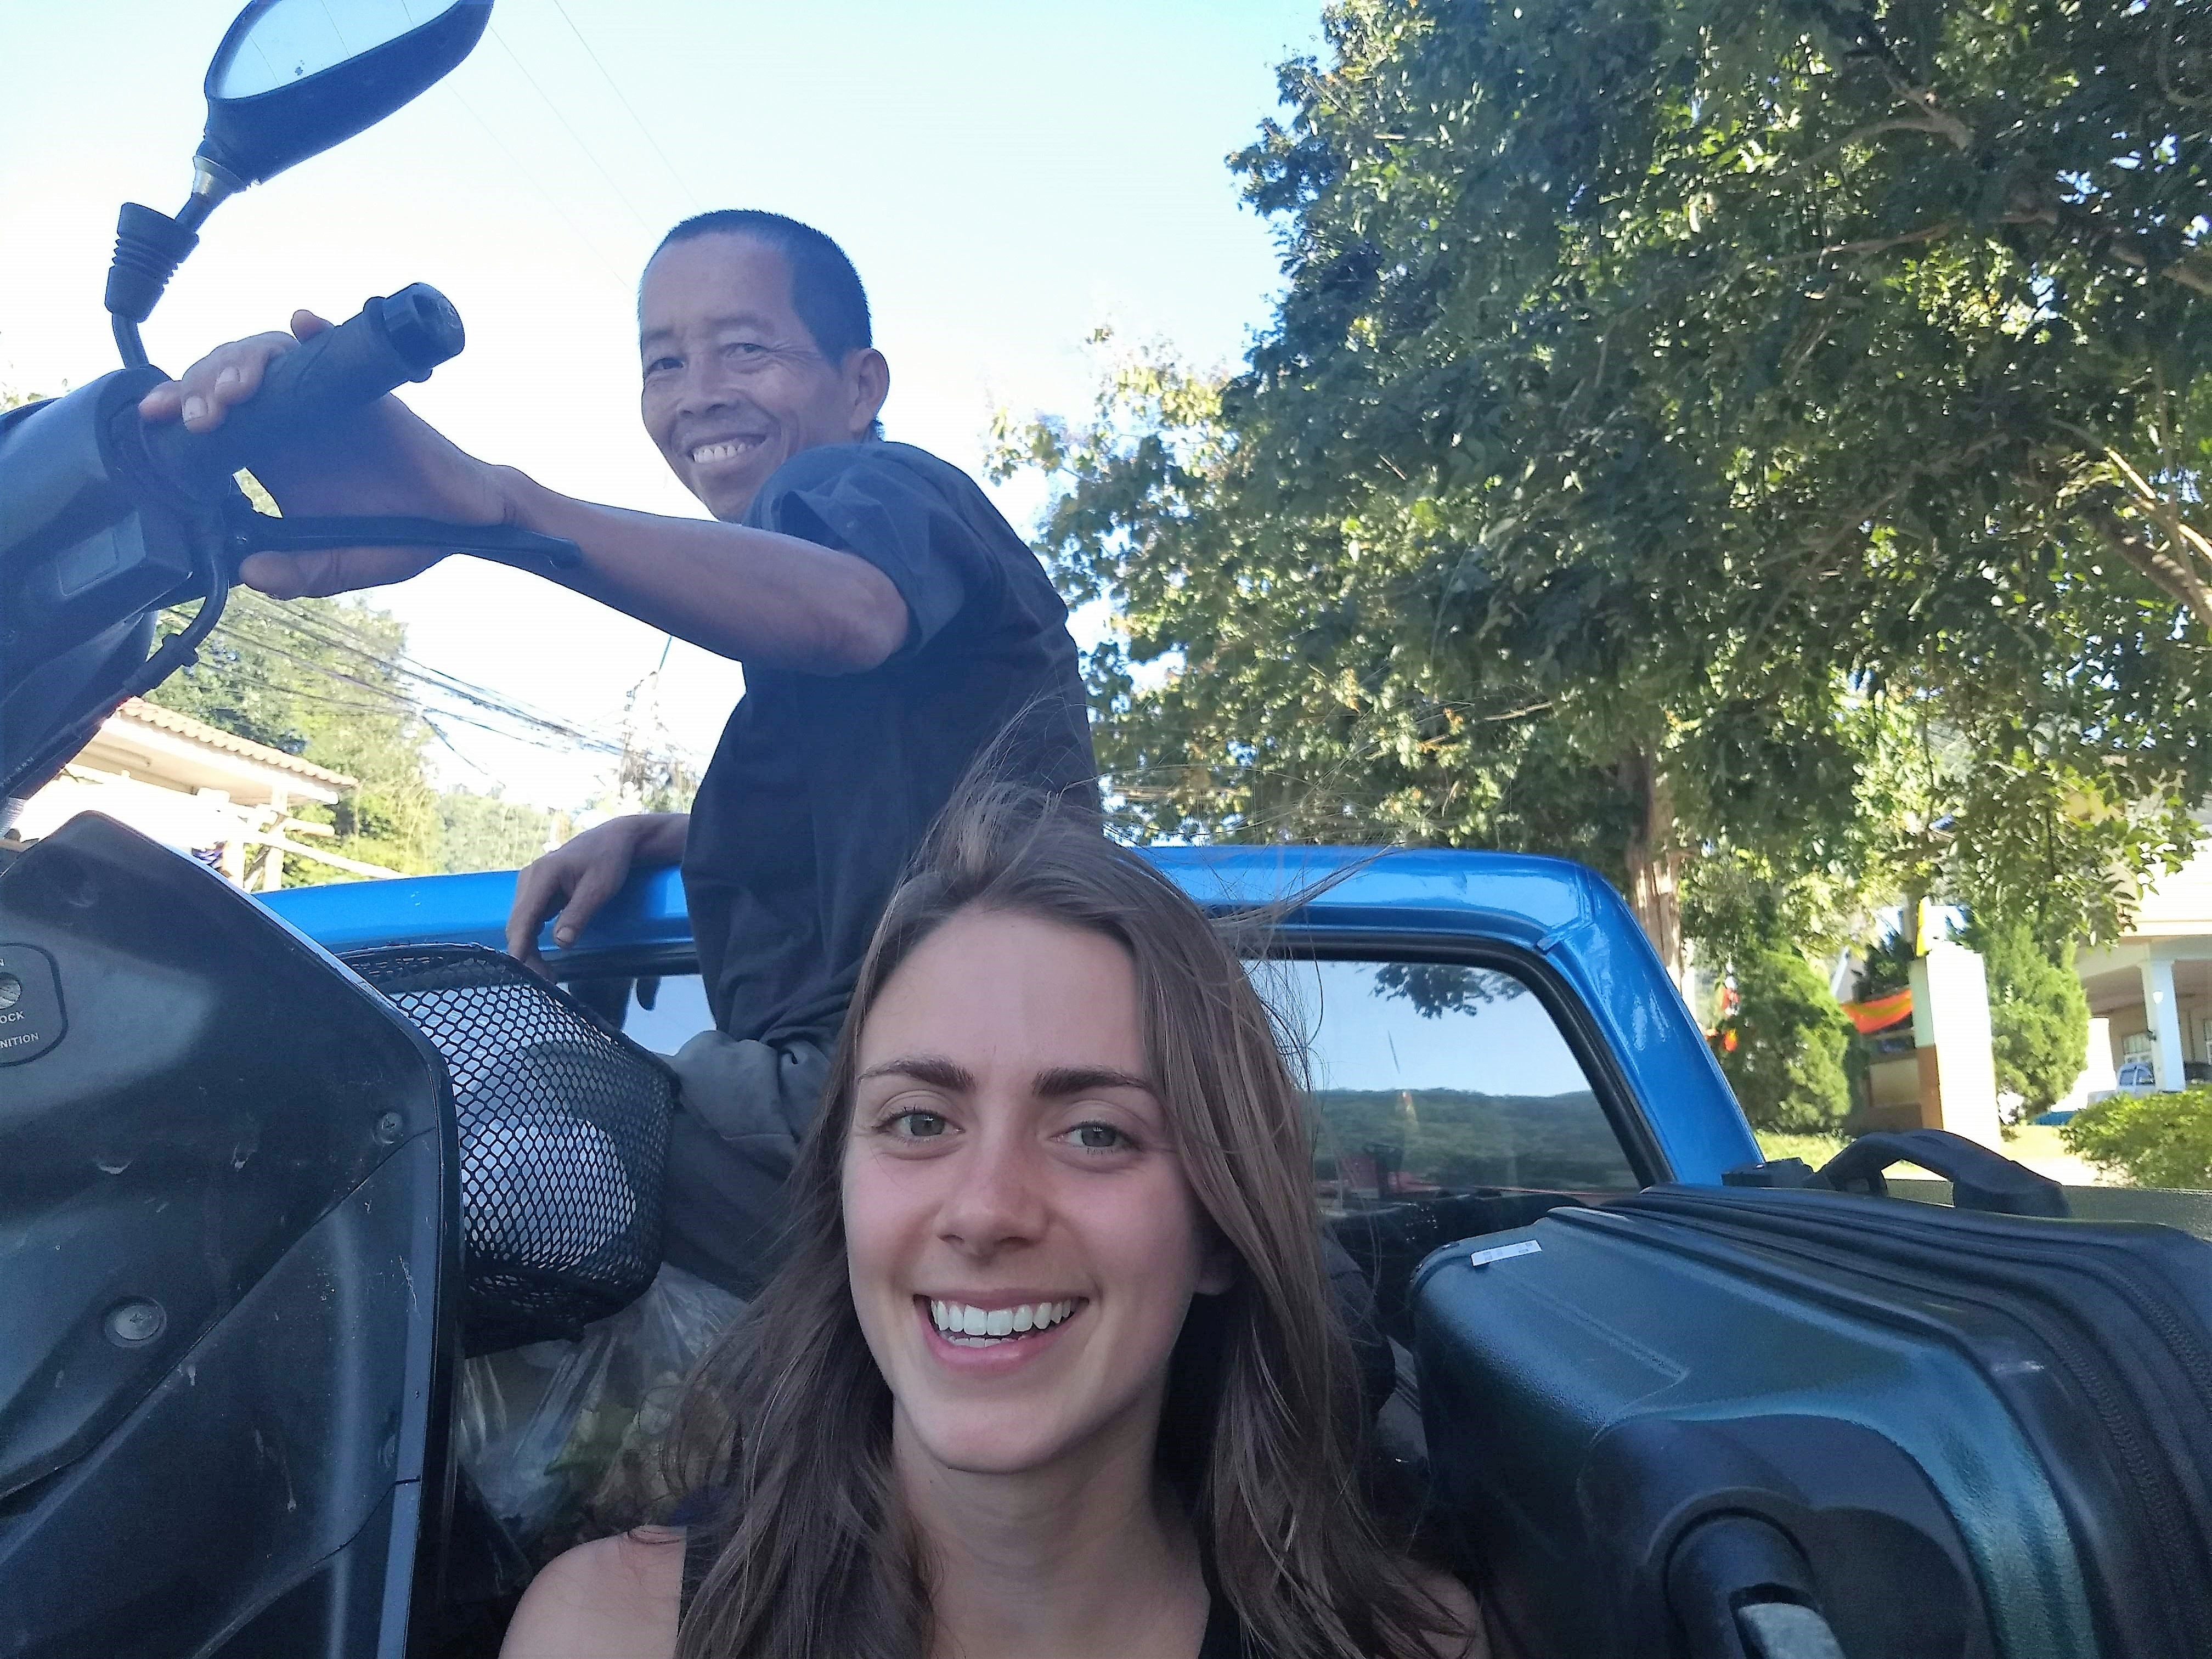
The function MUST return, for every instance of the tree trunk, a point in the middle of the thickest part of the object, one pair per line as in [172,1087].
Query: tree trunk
[1655,868]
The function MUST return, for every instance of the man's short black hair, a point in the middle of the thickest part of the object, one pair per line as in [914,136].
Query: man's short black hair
[825,289]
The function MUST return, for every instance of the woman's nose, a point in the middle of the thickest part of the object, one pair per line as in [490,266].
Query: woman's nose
[997,1197]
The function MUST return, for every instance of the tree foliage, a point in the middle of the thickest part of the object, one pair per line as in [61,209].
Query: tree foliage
[302,691]
[1459,1139]
[482,831]
[318,678]
[1782,1046]
[1768,435]
[2038,1013]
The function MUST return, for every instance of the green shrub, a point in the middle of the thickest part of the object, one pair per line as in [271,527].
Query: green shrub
[2038,1014]
[2153,1139]
[1786,1061]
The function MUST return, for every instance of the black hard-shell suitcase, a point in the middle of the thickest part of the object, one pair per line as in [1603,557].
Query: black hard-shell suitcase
[1739,1422]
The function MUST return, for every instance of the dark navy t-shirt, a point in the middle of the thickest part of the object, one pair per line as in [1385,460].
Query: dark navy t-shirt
[824,785]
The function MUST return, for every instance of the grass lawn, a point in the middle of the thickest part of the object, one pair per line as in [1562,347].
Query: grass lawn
[1816,1150]
[2032,1140]
[2036,1145]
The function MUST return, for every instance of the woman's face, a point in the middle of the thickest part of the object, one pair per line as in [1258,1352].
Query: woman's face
[1022,1243]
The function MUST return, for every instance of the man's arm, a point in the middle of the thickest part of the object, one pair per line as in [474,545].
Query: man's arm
[750,594]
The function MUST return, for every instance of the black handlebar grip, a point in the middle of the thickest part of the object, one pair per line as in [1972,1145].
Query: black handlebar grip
[390,342]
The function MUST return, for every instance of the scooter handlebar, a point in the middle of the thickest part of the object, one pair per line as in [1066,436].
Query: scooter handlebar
[390,342]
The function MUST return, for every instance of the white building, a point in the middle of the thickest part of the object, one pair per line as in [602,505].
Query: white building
[201,790]
[2152,989]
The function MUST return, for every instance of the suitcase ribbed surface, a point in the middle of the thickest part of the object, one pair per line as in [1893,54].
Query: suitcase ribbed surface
[2120,1310]
[1991,1434]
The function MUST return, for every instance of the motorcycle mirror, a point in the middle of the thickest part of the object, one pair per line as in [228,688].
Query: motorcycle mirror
[290,79]
[294,77]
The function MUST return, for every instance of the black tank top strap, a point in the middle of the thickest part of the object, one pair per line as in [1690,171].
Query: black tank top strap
[694,1514]
[1224,1631]
[698,1556]
[1225,1636]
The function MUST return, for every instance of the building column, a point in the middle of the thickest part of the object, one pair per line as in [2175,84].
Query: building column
[2163,1010]
[1951,1033]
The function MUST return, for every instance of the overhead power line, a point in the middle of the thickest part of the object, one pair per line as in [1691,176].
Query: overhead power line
[395,702]
[333,631]
[590,155]
[551,200]
[265,626]
[352,705]
[683,189]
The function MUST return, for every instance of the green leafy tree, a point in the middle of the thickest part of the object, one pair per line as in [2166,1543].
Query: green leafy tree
[1783,1045]
[1889,965]
[1688,422]
[487,832]
[316,678]
[1458,1140]
[2038,1013]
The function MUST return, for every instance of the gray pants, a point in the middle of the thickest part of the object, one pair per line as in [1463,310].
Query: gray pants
[733,1143]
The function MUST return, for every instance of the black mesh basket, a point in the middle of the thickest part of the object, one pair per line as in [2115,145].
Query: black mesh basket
[564,1136]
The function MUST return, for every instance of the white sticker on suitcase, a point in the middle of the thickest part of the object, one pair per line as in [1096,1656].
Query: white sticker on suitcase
[1503,1253]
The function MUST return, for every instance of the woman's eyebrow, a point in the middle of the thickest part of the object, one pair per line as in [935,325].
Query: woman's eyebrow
[1057,1082]
[933,1069]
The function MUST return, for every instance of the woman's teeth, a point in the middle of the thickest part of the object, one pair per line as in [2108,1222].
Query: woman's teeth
[979,1328]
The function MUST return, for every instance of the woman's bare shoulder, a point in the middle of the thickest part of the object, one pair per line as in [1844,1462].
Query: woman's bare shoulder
[1467,1639]
[614,1598]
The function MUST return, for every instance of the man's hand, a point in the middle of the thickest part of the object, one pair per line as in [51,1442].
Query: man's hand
[577,878]
[380,460]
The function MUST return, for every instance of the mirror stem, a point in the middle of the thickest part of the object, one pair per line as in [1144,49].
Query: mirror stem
[128,342]
[213,183]
[149,247]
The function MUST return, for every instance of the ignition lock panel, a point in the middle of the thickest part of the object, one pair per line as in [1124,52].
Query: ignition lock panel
[31,1019]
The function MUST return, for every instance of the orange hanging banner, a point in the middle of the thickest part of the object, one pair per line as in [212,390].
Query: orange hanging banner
[1879,1013]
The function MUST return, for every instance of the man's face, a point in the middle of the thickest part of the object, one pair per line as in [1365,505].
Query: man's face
[735,384]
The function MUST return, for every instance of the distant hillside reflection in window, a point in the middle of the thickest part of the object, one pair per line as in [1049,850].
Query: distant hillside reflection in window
[1434,1077]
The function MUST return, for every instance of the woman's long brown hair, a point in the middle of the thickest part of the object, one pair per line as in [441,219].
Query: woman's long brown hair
[789,1422]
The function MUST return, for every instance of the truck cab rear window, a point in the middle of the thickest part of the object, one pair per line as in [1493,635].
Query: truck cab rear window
[1426,1078]
[1432,1078]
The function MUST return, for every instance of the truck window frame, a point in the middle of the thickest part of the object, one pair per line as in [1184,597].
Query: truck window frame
[1624,1112]
[1291,942]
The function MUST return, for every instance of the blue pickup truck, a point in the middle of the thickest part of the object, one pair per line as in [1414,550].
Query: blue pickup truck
[239,1182]
[267,1164]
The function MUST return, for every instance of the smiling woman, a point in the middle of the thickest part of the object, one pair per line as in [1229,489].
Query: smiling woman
[1054,1367]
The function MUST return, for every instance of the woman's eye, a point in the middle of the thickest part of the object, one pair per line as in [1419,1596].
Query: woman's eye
[917,1126]
[1098,1137]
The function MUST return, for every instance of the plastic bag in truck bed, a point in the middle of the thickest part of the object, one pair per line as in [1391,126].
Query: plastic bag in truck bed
[563,1438]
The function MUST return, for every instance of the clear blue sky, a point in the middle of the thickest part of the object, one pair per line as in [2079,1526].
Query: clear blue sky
[1005,177]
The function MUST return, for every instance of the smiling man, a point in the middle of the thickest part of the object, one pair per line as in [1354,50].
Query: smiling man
[892,625]
[762,387]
